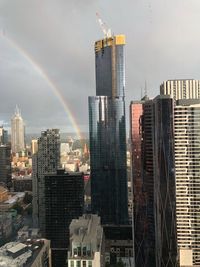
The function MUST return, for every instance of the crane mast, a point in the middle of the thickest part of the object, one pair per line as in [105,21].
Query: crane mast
[105,29]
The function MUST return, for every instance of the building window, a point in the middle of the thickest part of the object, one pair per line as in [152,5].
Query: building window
[78,263]
[71,263]
[84,264]
[89,263]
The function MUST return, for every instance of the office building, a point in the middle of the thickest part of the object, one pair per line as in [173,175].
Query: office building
[5,165]
[86,242]
[164,182]
[108,133]
[17,132]
[154,210]
[64,201]
[187,160]
[46,160]
[3,136]
[34,146]
[118,245]
[181,89]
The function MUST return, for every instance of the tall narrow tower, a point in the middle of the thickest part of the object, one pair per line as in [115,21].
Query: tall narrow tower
[108,133]
[45,161]
[17,132]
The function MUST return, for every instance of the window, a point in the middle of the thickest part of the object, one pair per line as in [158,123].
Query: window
[78,263]
[84,264]
[71,263]
[89,263]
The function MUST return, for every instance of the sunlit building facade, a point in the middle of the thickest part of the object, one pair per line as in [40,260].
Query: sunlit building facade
[181,89]
[108,133]
[17,132]
[187,156]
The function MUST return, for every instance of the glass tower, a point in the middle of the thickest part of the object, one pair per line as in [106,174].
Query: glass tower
[108,133]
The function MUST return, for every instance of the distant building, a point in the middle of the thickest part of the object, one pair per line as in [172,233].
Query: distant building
[22,183]
[3,136]
[3,194]
[46,160]
[181,89]
[32,253]
[5,165]
[34,146]
[6,227]
[86,242]
[64,201]
[108,133]
[17,132]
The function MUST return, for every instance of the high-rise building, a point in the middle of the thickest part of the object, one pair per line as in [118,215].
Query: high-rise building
[108,133]
[34,146]
[187,156]
[181,89]
[187,160]
[17,132]
[154,209]
[46,160]
[64,201]
[5,165]
[164,182]
[3,136]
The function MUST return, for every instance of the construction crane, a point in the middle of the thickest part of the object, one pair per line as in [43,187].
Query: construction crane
[105,29]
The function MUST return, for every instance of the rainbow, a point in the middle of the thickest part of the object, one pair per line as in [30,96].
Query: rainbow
[49,82]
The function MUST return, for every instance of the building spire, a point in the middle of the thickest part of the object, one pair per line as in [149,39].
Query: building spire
[17,111]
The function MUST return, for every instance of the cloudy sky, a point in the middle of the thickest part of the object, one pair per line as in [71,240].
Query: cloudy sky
[55,38]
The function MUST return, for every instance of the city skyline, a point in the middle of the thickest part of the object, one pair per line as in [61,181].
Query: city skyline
[159,43]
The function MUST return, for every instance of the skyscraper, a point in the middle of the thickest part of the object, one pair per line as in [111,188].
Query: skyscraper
[181,89]
[46,160]
[17,132]
[187,158]
[154,209]
[187,155]
[5,165]
[64,201]
[3,136]
[108,133]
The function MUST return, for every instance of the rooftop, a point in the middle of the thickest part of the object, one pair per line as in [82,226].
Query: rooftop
[17,254]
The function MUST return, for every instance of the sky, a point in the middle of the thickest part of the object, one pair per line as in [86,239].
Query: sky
[47,54]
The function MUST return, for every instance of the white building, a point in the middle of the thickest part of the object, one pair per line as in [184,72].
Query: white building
[187,166]
[86,242]
[17,132]
[181,89]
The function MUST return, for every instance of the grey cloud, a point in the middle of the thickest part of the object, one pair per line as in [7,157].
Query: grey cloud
[162,43]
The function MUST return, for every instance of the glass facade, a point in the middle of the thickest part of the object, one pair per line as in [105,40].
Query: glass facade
[154,192]
[108,137]
[165,183]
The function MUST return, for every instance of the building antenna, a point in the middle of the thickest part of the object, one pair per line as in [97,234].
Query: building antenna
[145,89]
[104,27]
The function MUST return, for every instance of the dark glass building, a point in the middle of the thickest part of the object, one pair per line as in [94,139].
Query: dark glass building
[154,194]
[108,133]
[64,201]
[5,165]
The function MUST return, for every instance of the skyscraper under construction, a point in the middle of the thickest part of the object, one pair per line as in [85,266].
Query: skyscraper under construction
[108,133]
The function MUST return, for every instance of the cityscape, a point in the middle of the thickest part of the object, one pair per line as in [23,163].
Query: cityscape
[103,173]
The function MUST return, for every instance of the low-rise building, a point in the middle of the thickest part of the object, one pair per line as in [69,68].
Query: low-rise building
[118,245]
[32,253]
